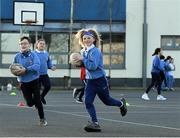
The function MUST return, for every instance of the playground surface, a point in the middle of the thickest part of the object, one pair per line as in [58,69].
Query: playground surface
[66,118]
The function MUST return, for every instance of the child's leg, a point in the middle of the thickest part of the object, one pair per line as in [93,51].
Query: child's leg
[165,80]
[27,93]
[46,84]
[171,81]
[103,94]
[82,90]
[153,81]
[168,81]
[81,93]
[36,95]
[89,99]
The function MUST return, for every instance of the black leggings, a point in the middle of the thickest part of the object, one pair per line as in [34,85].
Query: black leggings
[81,90]
[31,93]
[45,82]
[156,80]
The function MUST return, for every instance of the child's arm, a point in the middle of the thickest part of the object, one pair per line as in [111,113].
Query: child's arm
[50,65]
[91,62]
[36,64]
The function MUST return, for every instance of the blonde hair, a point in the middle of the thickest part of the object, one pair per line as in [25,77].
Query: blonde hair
[96,36]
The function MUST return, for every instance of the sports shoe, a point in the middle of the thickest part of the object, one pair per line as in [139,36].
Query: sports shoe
[75,93]
[43,122]
[123,108]
[145,96]
[171,89]
[79,100]
[153,88]
[165,89]
[43,100]
[160,97]
[92,127]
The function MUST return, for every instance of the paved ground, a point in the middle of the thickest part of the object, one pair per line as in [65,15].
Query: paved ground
[66,118]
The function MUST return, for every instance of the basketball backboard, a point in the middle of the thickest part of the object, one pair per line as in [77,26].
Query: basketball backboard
[28,13]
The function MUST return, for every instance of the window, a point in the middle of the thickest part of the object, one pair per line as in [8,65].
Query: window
[57,44]
[115,54]
[170,42]
[58,47]
[9,46]
[9,42]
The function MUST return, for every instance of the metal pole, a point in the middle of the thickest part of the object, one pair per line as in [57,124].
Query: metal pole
[0,14]
[110,37]
[144,50]
[70,42]
[36,33]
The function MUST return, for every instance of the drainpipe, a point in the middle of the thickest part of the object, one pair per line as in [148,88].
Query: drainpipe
[144,48]
[70,43]
[110,40]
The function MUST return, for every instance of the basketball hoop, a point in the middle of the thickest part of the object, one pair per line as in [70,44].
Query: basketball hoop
[29,13]
[29,22]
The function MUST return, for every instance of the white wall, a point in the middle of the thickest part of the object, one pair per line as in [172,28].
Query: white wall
[134,22]
[163,17]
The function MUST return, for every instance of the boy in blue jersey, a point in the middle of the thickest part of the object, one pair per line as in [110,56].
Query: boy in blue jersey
[45,64]
[96,78]
[29,77]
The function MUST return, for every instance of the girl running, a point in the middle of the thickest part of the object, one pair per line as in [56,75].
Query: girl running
[96,78]
[45,64]
[156,75]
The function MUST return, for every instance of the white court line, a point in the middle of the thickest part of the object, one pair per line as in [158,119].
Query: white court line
[156,107]
[99,112]
[133,112]
[105,119]
[131,105]
[117,121]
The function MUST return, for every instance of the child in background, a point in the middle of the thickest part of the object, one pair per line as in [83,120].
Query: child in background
[156,76]
[170,75]
[96,78]
[162,72]
[167,68]
[79,93]
[29,78]
[45,64]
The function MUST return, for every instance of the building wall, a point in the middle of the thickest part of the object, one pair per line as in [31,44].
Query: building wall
[134,21]
[163,17]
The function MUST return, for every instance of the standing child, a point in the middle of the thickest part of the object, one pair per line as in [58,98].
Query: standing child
[162,72]
[156,75]
[29,78]
[45,64]
[96,78]
[79,93]
[170,75]
[167,68]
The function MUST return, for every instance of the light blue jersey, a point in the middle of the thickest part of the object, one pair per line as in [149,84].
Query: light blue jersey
[93,62]
[156,65]
[45,62]
[31,62]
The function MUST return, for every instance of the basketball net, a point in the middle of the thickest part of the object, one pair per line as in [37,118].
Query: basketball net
[24,31]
